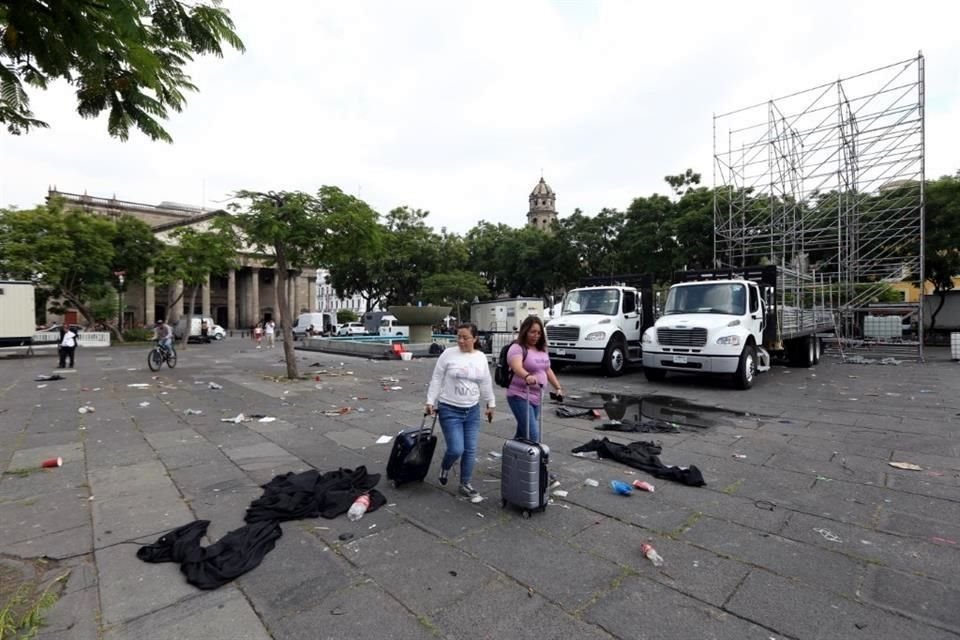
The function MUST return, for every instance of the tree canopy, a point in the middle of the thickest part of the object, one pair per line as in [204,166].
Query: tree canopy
[126,57]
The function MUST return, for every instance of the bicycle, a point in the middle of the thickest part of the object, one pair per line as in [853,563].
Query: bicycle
[158,355]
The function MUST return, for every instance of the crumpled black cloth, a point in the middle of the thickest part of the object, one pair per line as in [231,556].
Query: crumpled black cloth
[291,496]
[210,567]
[294,496]
[646,457]
[564,411]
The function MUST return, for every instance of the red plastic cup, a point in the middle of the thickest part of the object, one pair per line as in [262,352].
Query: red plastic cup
[52,462]
[643,486]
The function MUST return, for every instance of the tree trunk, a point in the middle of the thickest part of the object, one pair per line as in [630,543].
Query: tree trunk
[942,293]
[283,313]
[189,316]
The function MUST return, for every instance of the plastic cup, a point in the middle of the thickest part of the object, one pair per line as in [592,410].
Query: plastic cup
[52,462]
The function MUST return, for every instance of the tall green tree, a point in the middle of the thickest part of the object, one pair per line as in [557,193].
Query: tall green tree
[293,228]
[455,288]
[71,255]
[942,236]
[193,256]
[126,57]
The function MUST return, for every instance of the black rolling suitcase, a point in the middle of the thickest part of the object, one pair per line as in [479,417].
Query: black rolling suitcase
[523,476]
[412,453]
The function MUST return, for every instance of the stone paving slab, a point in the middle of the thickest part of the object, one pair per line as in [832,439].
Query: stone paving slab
[808,536]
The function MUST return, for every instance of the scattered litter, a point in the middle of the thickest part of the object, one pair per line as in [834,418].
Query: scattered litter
[214,385]
[927,391]
[828,535]
[942,540]
[52,463]
[345,536]
[342,411]
[909,466]
[824,478]
[477,499]
[739,456]
[495,454]
[86,409]
[643,486]
[237,419]
[144,404]
[480,515]
[587,454]
[560,493]
[46,378]
[389,380]
[41,386]
[372,526]
[267,419]
[766,505]
[192,412]
[590,482]
[891,394]
[384,439]
[393,388]
[139,385]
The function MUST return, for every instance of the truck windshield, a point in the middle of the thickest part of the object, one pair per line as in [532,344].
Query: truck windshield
[709,297]
[599,301]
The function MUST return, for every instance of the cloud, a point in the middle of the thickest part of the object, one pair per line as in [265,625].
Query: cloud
[457,107]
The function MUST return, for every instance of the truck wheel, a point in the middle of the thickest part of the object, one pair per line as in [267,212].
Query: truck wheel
[615,358]
[654,375]
[743,378]
[806,352]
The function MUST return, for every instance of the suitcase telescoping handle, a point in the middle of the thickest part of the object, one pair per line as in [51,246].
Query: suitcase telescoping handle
[423,424]
[539,414]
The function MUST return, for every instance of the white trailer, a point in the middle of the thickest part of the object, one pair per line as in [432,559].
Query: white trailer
[504,314]
[17,313]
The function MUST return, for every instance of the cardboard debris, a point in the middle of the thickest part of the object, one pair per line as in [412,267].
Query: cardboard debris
[909,466]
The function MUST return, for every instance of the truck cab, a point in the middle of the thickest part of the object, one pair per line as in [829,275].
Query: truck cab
[390,326]
[600,325]
[731,323]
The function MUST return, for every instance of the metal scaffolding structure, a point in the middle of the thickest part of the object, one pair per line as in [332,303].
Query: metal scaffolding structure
[829,183]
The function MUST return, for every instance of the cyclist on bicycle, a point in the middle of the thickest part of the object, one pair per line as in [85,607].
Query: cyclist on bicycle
[164,336]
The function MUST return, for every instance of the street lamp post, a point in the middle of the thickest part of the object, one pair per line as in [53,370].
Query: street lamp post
[120,275]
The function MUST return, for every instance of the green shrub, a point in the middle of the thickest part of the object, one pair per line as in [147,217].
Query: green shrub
[138,335]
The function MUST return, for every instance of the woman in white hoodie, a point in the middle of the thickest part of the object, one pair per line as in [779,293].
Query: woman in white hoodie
[461,380]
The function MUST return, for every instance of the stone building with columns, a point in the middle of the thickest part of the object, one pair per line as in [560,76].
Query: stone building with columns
[235,300]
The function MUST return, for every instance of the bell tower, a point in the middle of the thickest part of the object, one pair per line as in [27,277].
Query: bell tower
[543,207]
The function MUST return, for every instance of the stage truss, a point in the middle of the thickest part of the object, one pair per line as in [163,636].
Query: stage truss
[829,183]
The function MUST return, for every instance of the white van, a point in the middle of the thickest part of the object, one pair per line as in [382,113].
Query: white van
[214,331]
[390,326]
[324,323]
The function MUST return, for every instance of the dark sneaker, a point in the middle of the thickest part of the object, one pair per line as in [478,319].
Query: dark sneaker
[444,476]
[468,491]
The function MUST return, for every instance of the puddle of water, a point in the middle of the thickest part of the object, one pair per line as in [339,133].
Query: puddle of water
[656,413]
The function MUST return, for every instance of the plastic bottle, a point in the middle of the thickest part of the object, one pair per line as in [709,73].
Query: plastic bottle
[643,486]
[359,507]
[621,488]
[651,554]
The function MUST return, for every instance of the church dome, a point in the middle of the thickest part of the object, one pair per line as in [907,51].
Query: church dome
[542,189]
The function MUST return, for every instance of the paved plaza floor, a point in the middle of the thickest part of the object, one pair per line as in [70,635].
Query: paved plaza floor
[804,529]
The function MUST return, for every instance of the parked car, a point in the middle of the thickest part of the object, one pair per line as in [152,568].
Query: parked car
[352,329]
[214,331]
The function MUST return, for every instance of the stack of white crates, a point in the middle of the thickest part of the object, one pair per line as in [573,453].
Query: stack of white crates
[882,327]
[955,345]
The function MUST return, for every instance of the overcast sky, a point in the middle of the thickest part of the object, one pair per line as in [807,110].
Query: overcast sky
[456,107]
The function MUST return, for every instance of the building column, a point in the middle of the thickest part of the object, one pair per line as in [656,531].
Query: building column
[254,296]
[149,299]
[206,297]
[232,300]
[292,293]
[276,296]
[175,308]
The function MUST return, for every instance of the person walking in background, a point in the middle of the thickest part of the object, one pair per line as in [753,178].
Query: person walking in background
[461,380]
[530,363]
[258,333]
[270,329]
[67,346]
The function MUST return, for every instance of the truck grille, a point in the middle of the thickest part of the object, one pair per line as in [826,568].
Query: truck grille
[696,337]
[563,334]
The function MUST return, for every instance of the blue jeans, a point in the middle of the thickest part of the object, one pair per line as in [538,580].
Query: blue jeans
[519,407]
[461,430]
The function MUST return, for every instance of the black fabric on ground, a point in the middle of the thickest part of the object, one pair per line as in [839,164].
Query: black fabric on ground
[646,457]
[291,496]
[569,412]
[648,426]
